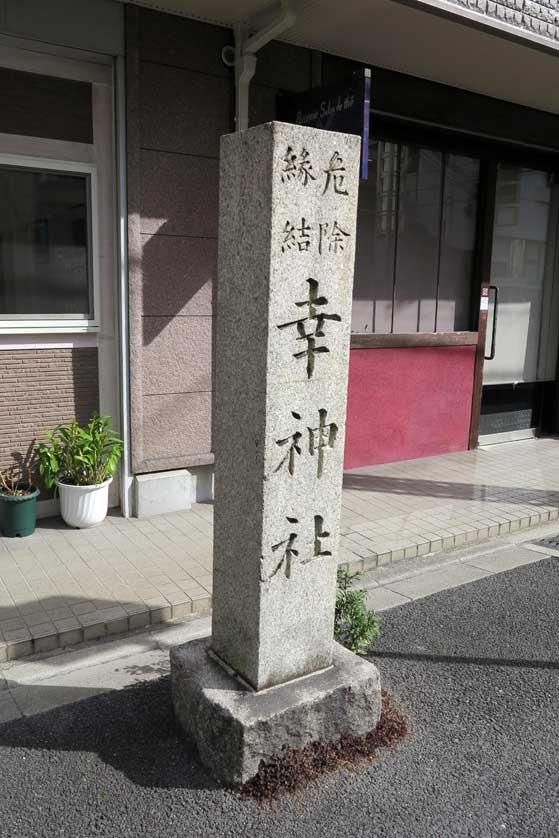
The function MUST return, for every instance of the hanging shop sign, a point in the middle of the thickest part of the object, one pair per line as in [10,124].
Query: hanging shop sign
[344,106]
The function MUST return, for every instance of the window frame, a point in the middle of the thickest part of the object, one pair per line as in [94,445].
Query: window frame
[445,147]
[41,324]
[491,150]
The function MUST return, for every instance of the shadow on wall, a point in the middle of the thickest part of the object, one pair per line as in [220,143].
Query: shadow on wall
[62,385]
[172,369]
[24,464]
[85,380]
[178,275]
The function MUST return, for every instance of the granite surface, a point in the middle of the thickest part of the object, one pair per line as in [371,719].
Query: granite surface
[233,728]
[288,200]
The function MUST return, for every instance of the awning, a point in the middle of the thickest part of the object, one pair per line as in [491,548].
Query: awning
[408,39]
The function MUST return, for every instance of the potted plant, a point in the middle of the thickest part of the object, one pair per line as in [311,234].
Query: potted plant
[18,504]
[80,462]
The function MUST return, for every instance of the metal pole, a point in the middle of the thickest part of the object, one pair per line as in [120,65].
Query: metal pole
[126,476]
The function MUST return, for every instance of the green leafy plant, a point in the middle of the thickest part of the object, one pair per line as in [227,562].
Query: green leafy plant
[355,625]
[79,456]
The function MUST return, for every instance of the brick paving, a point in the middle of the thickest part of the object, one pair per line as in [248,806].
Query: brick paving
[61,586]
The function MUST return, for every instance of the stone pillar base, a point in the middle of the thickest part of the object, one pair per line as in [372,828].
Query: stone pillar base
[234,728]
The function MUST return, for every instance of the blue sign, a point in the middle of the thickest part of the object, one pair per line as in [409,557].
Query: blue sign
[344,106]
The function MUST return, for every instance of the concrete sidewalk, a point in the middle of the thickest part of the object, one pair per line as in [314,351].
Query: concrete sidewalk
[61,677]
[61,587]
[474,668]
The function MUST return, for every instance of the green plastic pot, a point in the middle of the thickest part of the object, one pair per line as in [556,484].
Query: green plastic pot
[18,513]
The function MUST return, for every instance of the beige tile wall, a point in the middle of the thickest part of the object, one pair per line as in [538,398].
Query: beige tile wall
[40,388]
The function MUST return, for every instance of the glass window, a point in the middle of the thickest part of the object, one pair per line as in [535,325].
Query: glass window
[415,241]
[419,212]
[458,238]
[376,237]
[522,269]
[45,252]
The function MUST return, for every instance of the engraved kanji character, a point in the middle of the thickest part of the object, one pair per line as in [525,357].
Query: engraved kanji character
[321,438]
[333,238]
[316,320]
[293,449]
[290,169]
[297,168]
[304,172]
[288,552]
[296,236]
[335,174]
[319,535]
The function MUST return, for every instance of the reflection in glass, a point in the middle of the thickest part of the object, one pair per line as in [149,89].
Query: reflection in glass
[521,263]
[458,238]
[374,254]
[416,232]
[44,232]
[415,291]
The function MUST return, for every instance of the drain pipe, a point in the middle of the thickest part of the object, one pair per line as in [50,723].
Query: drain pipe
[246,47]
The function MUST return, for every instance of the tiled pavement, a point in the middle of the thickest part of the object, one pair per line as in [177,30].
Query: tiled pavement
[63,676]
[62,586]
[407,509]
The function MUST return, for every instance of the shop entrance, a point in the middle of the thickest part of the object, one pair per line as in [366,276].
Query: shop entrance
[521,341]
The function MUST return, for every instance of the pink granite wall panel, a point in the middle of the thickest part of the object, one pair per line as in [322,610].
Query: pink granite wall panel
[178,42]
[200,106]
[179,104]
[180,100]
[179,275]
[177,421]
[168,368]
[179,194]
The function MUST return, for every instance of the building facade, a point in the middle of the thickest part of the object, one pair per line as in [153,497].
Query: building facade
[110,122]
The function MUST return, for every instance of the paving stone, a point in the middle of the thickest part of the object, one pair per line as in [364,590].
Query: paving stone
[17,635]
[70,637]
[437,580]
[8,708]
[176,634]
[201,603]
[19,649]
[160,614]
[118,626]
[92,631]
[139,619]
[42,630]
[45,643]
[381,599]
[505,559]
[13,624]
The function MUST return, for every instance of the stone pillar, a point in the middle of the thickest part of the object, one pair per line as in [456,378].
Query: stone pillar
[288,204]
[286,253]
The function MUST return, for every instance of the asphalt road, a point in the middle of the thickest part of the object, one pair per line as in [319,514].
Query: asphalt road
[476,669]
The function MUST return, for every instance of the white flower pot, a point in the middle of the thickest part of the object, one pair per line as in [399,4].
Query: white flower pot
[84,506]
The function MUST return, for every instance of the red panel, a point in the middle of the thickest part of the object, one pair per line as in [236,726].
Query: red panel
[408,403]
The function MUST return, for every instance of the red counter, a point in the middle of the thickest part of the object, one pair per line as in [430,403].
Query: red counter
[406,403]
